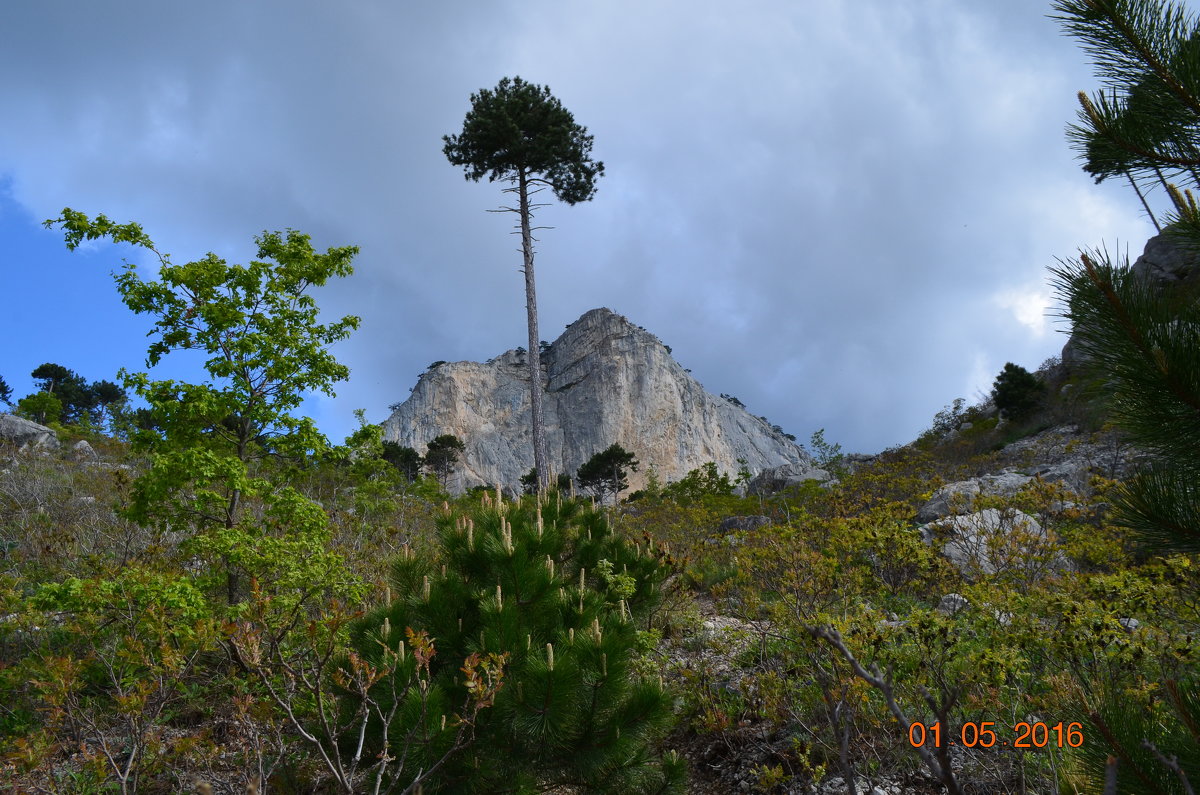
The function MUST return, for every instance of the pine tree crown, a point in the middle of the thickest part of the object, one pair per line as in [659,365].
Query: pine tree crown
[520,129]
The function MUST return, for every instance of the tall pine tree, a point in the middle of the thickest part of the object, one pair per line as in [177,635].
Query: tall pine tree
[520,133]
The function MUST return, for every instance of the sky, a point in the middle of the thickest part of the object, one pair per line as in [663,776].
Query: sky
[841,213]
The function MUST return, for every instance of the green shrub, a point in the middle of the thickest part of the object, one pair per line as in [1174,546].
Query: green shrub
[702,482]
[41,407]
[1017,392]
[560,596]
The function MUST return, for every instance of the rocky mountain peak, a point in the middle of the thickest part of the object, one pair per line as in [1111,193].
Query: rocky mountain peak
[607,381]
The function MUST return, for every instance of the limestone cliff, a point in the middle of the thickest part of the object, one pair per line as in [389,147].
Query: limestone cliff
[607,381]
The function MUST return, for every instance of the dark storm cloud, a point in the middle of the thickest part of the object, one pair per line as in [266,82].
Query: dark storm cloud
[841,213]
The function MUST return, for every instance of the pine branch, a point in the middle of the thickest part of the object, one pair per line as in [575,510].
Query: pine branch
[1183,710]
[1172,33]
[1115,744]
[1107,128]
[1126,37]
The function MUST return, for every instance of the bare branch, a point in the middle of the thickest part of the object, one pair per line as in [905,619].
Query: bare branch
[883,683]
[1171,764]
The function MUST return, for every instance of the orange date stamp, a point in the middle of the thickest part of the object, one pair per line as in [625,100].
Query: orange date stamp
[985,734]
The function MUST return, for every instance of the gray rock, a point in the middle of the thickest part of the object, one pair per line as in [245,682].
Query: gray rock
[82,451]
[1004,484]
[1167,259]
[1130,625]
[959,497]
[967,542]
[836,785]
[28,436]
[1067,455]
[108,465]
[607,382]
[1049,445]
[776,479]
[733,523]
[1074,473]
[952,604]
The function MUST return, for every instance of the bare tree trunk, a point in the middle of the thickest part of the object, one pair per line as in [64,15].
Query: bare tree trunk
[1138,191]
[534,355]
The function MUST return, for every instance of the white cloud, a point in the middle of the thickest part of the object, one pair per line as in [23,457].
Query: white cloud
[1029,306]
[978,382]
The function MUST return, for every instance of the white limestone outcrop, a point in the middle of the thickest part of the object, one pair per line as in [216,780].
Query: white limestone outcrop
[607,382]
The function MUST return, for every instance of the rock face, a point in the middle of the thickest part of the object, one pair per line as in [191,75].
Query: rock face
[959,497]
[27,435]
[1165,262]
[1069,456]
[607,382]
[983,543]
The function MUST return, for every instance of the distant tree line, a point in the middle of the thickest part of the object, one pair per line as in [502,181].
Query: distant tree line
[605,473]
[63,395]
